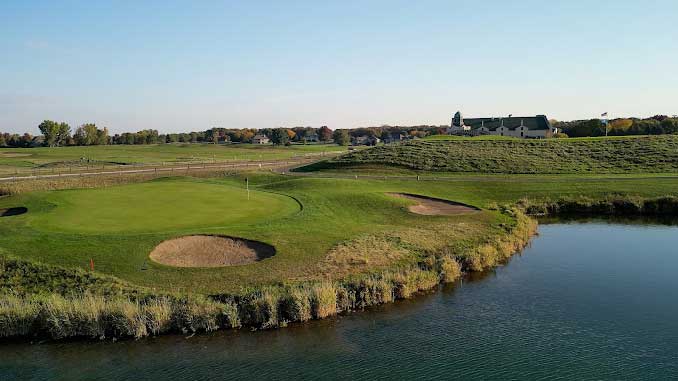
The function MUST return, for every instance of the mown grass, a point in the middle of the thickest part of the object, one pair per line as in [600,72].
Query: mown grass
[48,157]
[337,214]
[637,154]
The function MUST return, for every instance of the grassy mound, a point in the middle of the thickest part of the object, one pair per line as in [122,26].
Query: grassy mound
[648,154]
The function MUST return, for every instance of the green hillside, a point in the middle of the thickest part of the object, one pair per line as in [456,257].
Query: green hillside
[641,154]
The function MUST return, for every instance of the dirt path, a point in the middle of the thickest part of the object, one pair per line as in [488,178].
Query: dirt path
[430,206]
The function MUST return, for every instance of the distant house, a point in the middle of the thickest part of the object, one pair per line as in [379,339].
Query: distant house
[311,137]
[260,139]
[37,141]
[365,140]
[394,137]
[518,127]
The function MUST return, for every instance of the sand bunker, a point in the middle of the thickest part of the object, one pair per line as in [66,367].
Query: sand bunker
[210,251]
[430,206]
[12,211]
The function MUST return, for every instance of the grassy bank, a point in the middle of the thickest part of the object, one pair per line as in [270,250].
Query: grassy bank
[106,307]
[350,246]
[638,154]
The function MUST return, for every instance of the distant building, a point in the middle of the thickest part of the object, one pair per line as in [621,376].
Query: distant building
[313,137]
[365,140]
[518,127]
[260,139]
[394,137]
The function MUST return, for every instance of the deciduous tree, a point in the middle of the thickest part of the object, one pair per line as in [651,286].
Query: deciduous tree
[55,134]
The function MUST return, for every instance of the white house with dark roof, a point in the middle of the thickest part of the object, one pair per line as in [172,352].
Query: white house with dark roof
[518,127]
[260,139]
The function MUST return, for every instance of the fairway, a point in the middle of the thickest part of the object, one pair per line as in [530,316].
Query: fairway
[158,206]
[21,159]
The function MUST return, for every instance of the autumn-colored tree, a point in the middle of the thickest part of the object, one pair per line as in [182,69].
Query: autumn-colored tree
[247,136]
[324,134]
[621,124]
[291,134]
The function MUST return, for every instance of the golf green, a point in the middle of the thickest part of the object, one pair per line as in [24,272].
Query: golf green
[158,206]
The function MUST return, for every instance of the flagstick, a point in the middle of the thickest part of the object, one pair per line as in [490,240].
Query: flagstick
[247,179]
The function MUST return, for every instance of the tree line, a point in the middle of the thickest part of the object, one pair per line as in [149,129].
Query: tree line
[656,125]
[54,134]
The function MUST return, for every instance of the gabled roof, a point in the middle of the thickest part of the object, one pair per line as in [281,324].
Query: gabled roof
[538,122]
[260,136]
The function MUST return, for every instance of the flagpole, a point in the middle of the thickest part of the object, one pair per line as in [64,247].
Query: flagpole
[605,121]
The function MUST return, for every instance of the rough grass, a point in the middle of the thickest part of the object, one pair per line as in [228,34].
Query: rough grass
[653,154]
[368,252]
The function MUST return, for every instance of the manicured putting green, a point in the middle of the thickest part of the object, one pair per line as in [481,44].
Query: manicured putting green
[159,206]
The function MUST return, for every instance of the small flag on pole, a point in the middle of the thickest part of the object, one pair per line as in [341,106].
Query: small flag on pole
[91,264]
[604,114]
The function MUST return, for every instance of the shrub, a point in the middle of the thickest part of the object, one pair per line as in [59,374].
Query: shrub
[260,309]
[323,300]
[158,313]
[450,269]
[196,315]
[346,298]
[125,318]
[296,305]
[229,316]
[17,315]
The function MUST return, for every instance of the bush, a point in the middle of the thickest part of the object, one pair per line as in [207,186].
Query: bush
[450,269]
[323,300]
[158,313]
[260,309]
[196,315]
[296,305]
[17,315]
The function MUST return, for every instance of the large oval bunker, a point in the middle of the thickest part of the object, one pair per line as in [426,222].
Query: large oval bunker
[210,251]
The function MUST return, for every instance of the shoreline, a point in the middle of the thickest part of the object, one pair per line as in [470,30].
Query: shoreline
[131,311]
[123,310]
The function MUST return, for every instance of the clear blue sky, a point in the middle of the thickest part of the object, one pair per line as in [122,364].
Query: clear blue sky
[181,66]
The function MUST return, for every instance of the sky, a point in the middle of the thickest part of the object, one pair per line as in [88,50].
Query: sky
[189,66]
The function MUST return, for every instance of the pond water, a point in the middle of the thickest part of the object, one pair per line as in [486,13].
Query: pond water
[585,301]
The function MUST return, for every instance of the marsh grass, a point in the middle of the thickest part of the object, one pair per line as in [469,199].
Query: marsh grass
[296,304]
[259,308]
[323,300]
[616,205]
[17,315]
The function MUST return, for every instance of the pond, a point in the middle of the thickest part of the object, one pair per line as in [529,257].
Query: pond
[591,300]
